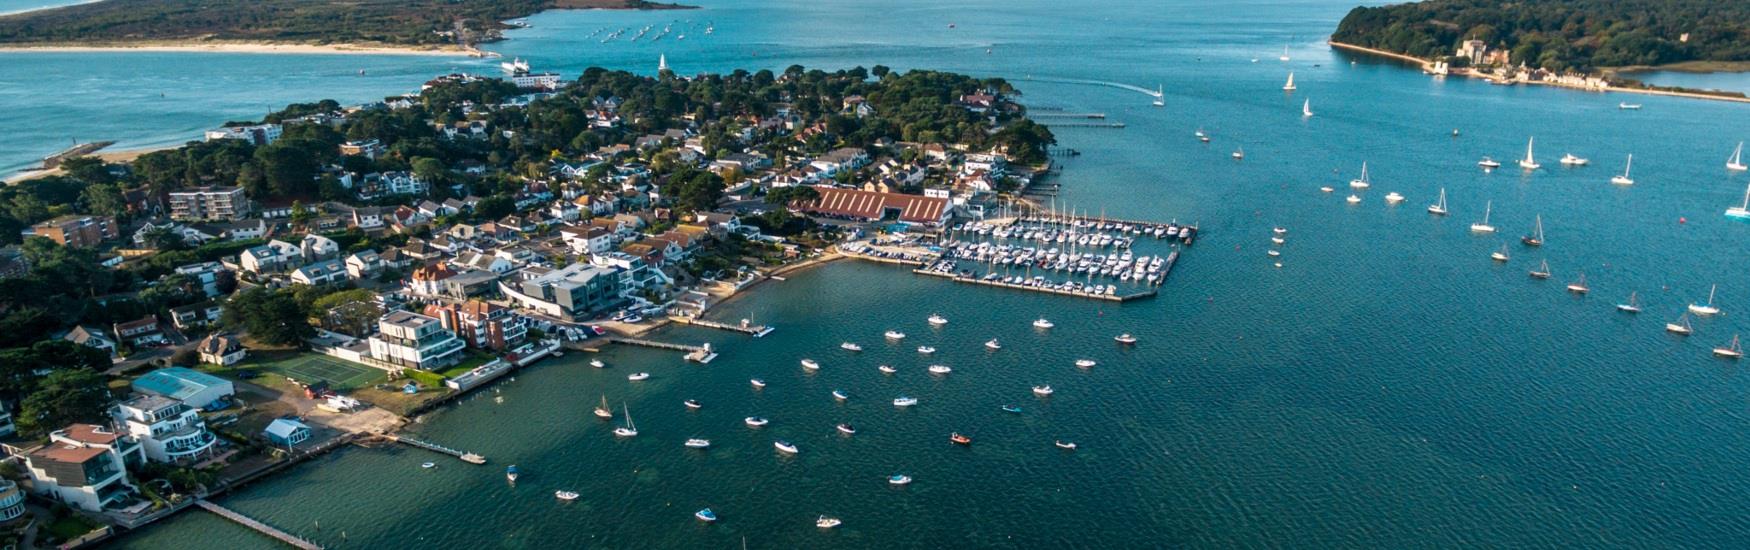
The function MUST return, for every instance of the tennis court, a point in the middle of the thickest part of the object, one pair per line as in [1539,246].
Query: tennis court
[310,368]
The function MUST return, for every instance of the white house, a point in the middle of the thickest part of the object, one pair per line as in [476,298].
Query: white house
[170,430]
[222,350]
[276,255]
[365,264]
[286,432]
[84,466]
[412,340]
[320,273]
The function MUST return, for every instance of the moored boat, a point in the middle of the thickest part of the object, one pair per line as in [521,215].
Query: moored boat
[824,522]
[706,515]
[926,350]
[693,404]
[847,429]
[1707,309]
[1043,323]
[1681,326]
[840,395]
[903,401]
[1125,338]
[630,429]
[992,344]
[1065,445]
[898,479]
[850,346]
[810,364]
[1439,208]
[757,383]
[755,421]
[786,447]
[958,439]
[1542,271]
[940,369]
[894,335]
[887,369]
[1633,305]
[1483,226]
[637,376]
[697,443]
[938,319]
[1085,363]
[566,495]
[1730,351]
[602,411]
[597,363]
[511,473]
[1043,390]
[1011,409]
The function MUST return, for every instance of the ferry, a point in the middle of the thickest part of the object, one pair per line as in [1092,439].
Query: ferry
[786,447]
[566,495]
[940,369]
[938,320]
[706,515]
[1042,390]
[847,429]
[810,364]
[898,479]
[637,376]
[958,439]
[849,346]
[1043,323]
[827,523]
[894,335]
[1011,409]
[1731,351]
[757,383]
[926,350]
[693,404]
[1085,363]
[755,421]
[886,369]
[1125,338]
[696,443]
[1065,445]
[840,395]
[903,401]
[510,473]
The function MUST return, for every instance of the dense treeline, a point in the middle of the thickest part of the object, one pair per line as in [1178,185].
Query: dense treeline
[410,22]
[1559,34]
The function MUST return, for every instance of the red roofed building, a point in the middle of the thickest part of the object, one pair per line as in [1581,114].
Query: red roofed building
[481,324]
[876,206]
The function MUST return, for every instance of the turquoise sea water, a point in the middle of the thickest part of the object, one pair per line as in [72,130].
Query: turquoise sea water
[1388,386]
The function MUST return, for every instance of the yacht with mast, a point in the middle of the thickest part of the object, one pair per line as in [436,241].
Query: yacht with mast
[1483,226]
[1284,54]
[1736,163]
[630,429]
[1289,87]
[1623,179]
[1499,255]
[1741,211]
[602,411]
[1306,108]
[1160,96]
[1542,271]
[1439,208]
[1633,305]
[1361,182]
[1681,326]
[1730,351]
[1536,236]
[1708,309]
[1579,287]
[1527,162]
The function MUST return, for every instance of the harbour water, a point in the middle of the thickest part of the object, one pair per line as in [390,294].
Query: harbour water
[1387,386]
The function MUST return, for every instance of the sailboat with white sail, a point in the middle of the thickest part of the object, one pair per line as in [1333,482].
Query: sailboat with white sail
[1284,54]
[1736,163]
[1361,182]
[1528,163]
[1439,208]
[1289,87]
[1306,108]
[1741,211]
[1160,96]
[1483,226]
[1623,179]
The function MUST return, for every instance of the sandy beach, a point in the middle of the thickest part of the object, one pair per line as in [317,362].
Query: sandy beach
[121,156]
[241,47]
[1426,65]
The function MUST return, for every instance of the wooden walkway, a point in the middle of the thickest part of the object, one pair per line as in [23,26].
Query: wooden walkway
[470,458]
[251,523]
[755,331]
[654,344]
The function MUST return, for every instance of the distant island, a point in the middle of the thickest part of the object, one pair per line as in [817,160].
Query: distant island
[1574,43]
[356,25]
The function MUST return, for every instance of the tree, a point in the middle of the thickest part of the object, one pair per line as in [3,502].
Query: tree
[273,317]
[64,397]
[104,199]
[301,214]
[353,312]
[165,239]
[791,195]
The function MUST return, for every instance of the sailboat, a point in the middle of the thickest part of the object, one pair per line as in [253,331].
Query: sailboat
[1500,255]
[602,411]
[1623,179]
[1483,226]
[1284,54]
[1709,309]
[1160,96]
[1579,287]
[629,429]
[1527,162]
[1239,153]
[1439,208]
[1736,163]
[1536,236]
[1633,305]
[1731,351]
[1361,183]
[1741,211]
[1306,108]
[1681,326]
[1289,87]
[1542,271]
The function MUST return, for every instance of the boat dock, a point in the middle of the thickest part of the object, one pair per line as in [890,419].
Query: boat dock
[697,354]
[1098,116]
[470,458]
[977,281]
[251,523]
[755,331]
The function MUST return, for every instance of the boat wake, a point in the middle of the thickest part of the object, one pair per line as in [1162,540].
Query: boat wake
[1120,85]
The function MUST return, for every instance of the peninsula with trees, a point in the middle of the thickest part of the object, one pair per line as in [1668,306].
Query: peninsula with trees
[406,24]
[1585,44]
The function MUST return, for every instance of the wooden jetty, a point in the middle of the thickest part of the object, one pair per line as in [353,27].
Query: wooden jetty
[1086,125]
[697,354]
[470,458]
[755,331]
[251,523]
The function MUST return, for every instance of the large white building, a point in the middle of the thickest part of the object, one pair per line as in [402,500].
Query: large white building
[84,466]
[169,430]
[409,339]
[261,134]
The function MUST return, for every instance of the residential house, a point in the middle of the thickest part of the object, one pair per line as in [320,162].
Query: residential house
[140,332]
[481,324]
[320,273]
[368,218]
[196,315]
[476,260]
[76,231]
[368,148]
[169,430]
[317,247]
[285,432]
[220,349]
[92,337]
[85,466]
[364,264]
[212,277]
[259,134]
[391,183]
[274,256]
[409,339]
[577,291]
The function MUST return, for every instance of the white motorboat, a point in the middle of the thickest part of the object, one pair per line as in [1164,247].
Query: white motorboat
[1065,445]
[786,447]
[1629,106]
[637,376]
[894,335]
[597,363]
[847,429]
[755,421]
[1353,199]
[1239,153]
[940,369]
[757,383]
[1085,363]
[926,350]
[992,344]
[887,369]
[1483,226]
[1393,198]
[692,404]
[1489,163]
[1279,230]
[566,495]
[903,401]
[1623,179]
[938,320]
[696,443]
[840,395]
[850,346]
[810,364]
[1326,189]
[1125,338]
[1570,160]
[1707,309]
[1043,390]
[1043,323]
[827,523]
[898,479]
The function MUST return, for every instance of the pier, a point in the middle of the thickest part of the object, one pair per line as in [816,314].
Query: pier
[251,523]
[755,331]
[1098,116]
[697,354]
[1103,297]
[1086,125]
[470,458]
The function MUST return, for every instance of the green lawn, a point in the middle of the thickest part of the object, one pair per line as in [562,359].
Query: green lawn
[472,360]
[69,527]
[310,368]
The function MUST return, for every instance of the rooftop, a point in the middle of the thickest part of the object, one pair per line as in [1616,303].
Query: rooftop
[176,382]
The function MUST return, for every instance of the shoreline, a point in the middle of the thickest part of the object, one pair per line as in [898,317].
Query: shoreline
[1427,65]
[117,156]
[156,46]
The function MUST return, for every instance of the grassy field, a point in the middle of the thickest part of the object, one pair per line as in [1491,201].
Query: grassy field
[310,368]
